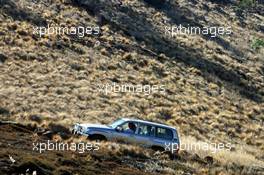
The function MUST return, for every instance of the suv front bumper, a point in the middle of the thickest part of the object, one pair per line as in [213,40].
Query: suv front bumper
[79,130]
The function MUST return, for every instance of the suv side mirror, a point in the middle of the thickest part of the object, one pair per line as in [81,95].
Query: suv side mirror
[118,128]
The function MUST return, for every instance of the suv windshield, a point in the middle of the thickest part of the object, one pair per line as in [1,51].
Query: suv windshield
[116,123]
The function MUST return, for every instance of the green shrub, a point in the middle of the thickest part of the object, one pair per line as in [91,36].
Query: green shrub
[257,44]
[244,4]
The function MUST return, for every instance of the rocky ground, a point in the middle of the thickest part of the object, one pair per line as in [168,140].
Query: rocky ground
[214,87]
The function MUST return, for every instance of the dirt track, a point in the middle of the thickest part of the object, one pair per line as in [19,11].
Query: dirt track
[17,142]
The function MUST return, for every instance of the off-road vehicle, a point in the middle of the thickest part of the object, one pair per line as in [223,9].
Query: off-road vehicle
[132,131]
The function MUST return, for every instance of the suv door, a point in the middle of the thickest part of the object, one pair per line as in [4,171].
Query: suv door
[145,134]
[125,135]
[163,136]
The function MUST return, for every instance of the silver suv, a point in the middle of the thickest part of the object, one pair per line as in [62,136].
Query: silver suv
[132,131]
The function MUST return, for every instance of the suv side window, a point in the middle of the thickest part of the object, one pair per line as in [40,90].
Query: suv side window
[164,133]
[146,130]
[129,127]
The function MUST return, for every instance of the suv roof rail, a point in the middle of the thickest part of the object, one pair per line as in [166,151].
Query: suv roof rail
[150,121]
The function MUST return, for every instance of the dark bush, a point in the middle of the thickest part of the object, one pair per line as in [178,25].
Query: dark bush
[3,58]
[156,3]
[4,111]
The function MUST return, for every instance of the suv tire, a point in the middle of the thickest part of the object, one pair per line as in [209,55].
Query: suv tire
[97,138]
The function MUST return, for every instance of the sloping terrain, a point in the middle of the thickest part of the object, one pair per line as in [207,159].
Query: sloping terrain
[214,87]
[111,158]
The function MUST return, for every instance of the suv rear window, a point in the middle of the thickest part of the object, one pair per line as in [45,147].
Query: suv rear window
[164,133]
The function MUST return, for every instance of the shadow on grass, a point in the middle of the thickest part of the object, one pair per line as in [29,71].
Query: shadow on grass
[10,8]
[135,24]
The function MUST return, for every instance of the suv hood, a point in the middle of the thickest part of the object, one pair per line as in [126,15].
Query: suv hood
[95,126]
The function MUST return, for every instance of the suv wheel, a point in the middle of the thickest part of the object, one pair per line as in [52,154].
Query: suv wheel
[97,138]
[158,148]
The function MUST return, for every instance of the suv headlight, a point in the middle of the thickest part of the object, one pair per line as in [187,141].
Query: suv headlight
[81,128]
[75,127]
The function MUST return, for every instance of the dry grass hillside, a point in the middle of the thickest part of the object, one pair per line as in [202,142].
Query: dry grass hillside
[214,87]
